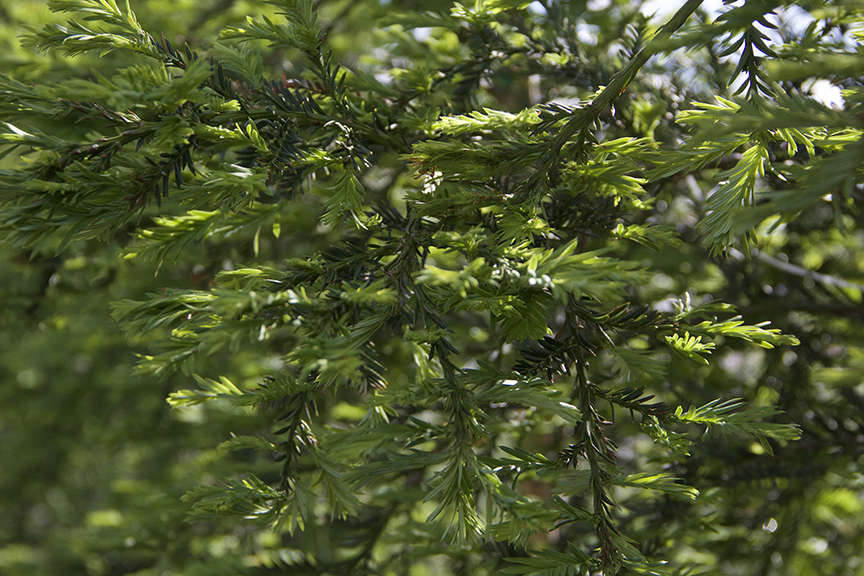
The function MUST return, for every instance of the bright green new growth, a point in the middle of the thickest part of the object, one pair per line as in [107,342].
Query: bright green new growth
[438,309]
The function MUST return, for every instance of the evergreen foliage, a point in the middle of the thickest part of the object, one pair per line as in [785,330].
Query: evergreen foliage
[490,287]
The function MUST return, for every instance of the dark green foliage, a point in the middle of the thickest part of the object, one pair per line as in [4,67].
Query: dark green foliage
[430,288]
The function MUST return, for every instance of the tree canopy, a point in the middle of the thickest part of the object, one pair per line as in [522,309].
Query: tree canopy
[431,287]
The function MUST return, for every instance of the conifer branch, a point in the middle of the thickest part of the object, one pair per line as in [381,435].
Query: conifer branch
[583,118]
[411,306]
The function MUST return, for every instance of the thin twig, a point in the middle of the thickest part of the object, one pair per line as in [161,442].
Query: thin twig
[825,279]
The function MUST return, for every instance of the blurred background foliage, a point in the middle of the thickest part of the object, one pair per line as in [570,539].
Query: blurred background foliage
[94,463]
